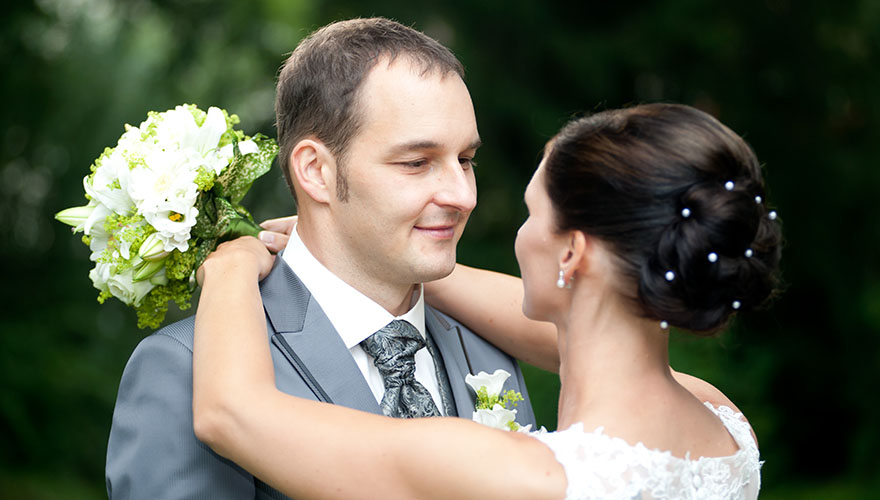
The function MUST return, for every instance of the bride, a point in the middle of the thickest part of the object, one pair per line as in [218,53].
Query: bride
[640,219]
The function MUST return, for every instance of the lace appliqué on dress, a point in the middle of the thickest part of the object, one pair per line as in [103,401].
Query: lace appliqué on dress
[599,466]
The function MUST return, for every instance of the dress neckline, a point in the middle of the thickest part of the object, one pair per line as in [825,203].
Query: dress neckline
[733,422]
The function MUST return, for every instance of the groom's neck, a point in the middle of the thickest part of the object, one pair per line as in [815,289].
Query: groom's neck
[396,298]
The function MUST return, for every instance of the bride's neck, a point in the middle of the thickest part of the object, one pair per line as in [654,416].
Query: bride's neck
[609,357]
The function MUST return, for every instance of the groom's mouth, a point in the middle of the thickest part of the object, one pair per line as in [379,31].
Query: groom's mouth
[443,232]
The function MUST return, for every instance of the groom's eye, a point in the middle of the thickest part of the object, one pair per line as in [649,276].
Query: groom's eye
[415,163]
[467,163]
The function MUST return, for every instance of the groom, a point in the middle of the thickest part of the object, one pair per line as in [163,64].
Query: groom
[377,137]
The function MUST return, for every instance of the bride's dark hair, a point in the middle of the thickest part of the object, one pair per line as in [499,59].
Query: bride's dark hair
[665,186]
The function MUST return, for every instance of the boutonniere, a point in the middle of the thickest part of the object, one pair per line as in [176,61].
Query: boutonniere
[493,408]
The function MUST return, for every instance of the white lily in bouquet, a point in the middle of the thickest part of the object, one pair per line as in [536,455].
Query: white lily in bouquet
[161,200]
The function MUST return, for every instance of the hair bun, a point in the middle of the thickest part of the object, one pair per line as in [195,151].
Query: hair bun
[720,254]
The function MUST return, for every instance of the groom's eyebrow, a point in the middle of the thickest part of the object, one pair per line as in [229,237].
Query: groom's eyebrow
[475,145]
[414,146]
[418,145]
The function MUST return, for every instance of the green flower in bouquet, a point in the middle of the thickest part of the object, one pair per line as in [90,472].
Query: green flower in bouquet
[162,200]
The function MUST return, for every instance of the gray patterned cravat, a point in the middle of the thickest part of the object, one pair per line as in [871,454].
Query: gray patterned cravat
[393,349]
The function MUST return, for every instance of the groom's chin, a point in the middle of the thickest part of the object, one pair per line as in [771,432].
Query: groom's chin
[438,269]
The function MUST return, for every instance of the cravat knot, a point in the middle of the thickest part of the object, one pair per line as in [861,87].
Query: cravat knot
[393,349]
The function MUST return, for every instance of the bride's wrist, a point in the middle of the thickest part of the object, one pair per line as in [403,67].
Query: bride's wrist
[229,266]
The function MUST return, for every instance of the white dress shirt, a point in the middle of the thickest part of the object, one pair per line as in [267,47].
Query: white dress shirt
[355,317]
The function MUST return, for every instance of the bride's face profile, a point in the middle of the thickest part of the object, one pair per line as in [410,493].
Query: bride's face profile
[539,248]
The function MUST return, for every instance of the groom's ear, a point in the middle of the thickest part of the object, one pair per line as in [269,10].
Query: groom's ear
[313,169]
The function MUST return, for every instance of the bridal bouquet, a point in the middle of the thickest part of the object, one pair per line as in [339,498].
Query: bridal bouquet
[162,200]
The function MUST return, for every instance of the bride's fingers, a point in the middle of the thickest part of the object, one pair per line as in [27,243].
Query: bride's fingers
[280,225]
[273,240]
[238,252]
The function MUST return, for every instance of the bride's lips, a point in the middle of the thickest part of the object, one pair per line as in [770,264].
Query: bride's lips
[439,232]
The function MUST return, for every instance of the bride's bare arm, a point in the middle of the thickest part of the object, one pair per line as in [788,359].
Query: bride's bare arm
[315,450]
[490,304]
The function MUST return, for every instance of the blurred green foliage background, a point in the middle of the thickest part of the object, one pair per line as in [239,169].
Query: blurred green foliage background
[799,80]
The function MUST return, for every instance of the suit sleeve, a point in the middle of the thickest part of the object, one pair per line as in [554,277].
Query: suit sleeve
[153,452]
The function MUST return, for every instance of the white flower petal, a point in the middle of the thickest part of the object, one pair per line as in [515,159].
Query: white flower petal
[96,219]
[493,383]
[498,417]
[247,147]
[109,185]
[100,275]
[125,289]
[153,248]
[209,133]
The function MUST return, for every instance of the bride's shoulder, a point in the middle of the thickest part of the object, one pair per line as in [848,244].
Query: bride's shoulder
[708,393]
[704,391]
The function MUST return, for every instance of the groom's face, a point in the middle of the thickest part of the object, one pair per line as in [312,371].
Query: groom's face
[409,172]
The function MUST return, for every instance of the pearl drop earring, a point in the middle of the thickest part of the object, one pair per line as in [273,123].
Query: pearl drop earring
[560,283]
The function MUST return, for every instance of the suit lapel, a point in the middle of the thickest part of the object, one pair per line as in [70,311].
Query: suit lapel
[308,341]
[449,343]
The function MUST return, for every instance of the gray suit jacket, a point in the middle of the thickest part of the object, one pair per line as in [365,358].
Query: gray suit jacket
[154,454]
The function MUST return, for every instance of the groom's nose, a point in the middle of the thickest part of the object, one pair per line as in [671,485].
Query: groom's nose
[455,187]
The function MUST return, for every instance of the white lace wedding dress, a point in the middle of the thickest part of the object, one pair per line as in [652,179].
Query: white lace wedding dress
[599,466]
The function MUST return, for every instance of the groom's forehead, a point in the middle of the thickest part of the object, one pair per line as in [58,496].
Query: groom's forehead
[400,103]
[390,81]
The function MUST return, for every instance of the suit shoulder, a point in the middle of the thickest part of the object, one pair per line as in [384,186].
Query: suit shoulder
[446,320]
[181,332]
[468,337]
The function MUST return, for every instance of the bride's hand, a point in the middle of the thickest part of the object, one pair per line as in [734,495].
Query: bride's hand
[277,231]
[241,254]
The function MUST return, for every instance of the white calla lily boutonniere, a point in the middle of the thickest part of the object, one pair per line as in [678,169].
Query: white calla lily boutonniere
[493,408]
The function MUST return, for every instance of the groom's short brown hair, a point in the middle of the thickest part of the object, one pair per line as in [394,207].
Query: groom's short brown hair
[319,83]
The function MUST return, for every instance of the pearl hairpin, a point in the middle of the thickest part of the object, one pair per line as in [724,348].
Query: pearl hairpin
[749,253]
[670,275]
[772,215]
[736,304]
[728,185]
[685,212]
[664,325]
[713,257]
[758,199]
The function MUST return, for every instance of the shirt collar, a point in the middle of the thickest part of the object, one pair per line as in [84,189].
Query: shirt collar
[354,315]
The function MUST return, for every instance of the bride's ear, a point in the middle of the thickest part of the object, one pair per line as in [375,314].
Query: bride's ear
[313,168]
[578,256]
